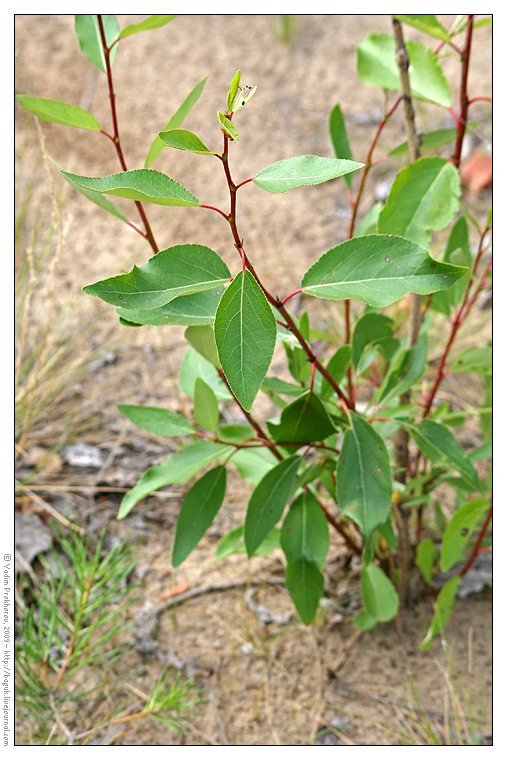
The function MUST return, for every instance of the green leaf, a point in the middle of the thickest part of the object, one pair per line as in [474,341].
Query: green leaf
[387,533]
[57,112]
[364,622]
[235,433]
[483,22]
[194,365]
[199,509]
[305,420]
[457,251]
[424,197]
[373,330]
[337,366]
[305,584]
[201,337]
[146,185]
[369,222]
[338,132]
[154,420]
[305,532]
[228,126]
[364,476]
[425,23]
[302,170]
[426,557]
[379,596]
[406,370]
[486,418]
[97,198]
[174,272]
[245,335]
[90,40]
[378,270]
[152,22]
[175,121]
[429,141]
[253,464]
[459,531]
[233,543]
[195,309]
[482,452]
[478,360]
[205,406]
[233,89]
[377,67]
[276,385]
[178,468]
[442,611]
[184,140]
[311,473]
[441,447]
[267,502]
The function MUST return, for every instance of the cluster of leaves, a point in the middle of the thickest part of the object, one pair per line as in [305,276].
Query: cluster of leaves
[71,628]
[321,447]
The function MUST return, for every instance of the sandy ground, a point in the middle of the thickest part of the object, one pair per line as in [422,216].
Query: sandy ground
[266,688]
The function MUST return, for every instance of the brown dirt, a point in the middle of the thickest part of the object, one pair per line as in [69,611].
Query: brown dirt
[266,688]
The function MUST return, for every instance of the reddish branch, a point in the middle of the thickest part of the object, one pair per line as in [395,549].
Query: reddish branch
[116,135]
[477,546]
[275,302]
[458,320]
[464,102]
[355,208]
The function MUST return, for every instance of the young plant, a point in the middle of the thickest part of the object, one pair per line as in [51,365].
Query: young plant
[356,448]
[70,639]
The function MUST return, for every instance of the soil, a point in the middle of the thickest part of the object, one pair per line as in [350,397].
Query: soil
[266,684]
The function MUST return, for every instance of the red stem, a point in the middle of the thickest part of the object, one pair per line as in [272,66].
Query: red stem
[355,208]
[479,97]
[290,324]
[213,208]
[312,381]
[116,135]
[461,315]
[477,545]
[454,116]
[465,65]
[299,290]
[244,182]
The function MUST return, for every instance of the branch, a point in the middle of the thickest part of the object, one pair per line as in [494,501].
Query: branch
[402,59]
[116,135]
[477,545]
[464,102]
[275,302]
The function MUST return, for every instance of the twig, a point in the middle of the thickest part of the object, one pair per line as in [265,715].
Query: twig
[45,507]
[477,545]
[116,136]
[464,102]
[333,672]
[401,439]
[211,588]
[71,737]
[349,540]
[216,712]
